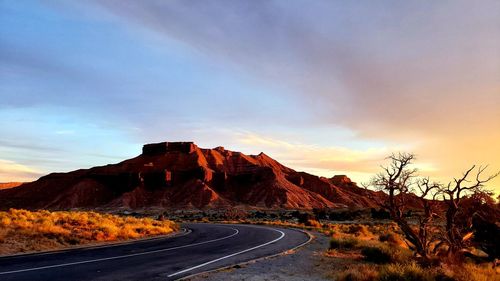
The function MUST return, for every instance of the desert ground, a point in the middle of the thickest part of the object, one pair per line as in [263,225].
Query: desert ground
[355,246]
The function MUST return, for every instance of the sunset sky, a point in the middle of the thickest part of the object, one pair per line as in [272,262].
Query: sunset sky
[327,87]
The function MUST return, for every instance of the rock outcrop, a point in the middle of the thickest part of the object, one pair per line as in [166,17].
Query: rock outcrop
[182,175]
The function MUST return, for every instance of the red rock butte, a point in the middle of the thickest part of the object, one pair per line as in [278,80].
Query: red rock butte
[182,175]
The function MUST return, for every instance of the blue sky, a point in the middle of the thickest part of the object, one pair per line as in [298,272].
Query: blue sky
[325,86]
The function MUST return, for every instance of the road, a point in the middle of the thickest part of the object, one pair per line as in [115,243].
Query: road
[202,247]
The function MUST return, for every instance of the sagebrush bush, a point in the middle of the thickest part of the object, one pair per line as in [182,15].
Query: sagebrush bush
[343,243]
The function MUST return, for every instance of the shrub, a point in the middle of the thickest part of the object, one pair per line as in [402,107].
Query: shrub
[343,244]
[358,229]
[320,214]
[388,237]
[386,254]
[345,215]
[313,223]
[376,255]
[406,272]
[380,214]
[302,218]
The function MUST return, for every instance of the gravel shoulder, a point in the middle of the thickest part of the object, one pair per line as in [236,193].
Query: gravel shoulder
[306,263]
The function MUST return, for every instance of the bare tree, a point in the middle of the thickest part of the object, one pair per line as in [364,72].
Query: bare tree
[457,235]
[400,182]
[401,185]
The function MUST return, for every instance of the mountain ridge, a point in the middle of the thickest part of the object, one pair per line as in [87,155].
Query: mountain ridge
[182,175]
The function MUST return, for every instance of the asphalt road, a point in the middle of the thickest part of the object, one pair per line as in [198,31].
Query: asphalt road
[203,247]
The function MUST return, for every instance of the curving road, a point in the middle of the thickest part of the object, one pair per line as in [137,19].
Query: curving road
[202,247]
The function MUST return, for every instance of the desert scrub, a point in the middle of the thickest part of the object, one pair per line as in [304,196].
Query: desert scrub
[43,230]
[409,272]
[364,272]
[389,237]
[475,272]
[313,223]
[343,243]
[386,254]
[358,229]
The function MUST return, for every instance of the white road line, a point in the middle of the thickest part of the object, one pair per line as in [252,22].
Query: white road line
[231,255]
[122,256]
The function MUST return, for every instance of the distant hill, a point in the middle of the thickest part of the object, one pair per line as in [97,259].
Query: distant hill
[5,185]
[182,175]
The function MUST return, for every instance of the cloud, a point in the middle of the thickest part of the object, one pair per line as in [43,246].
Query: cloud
[12,171]
[441,163]
[408,72]
[327,160]
[383,70]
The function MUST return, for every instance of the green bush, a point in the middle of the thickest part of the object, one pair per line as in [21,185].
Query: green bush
[343,244]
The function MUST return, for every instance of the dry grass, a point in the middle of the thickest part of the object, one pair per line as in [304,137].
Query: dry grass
[25,231]
[380,254]
[408,272]
[359,273]
[343,243]
[474,272]
[386,254]
[413,272]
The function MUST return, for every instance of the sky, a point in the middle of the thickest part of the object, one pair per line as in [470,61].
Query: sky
[327,87]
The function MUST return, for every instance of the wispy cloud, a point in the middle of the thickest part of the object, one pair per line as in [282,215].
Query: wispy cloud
[323,160]
[11,171]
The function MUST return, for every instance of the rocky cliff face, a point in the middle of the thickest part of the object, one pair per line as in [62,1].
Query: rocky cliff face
[182,175]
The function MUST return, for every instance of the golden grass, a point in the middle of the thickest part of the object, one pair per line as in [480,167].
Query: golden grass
[409,272]
[362,272]
[25,231]
[474,272]
[380,254]
[413,272]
